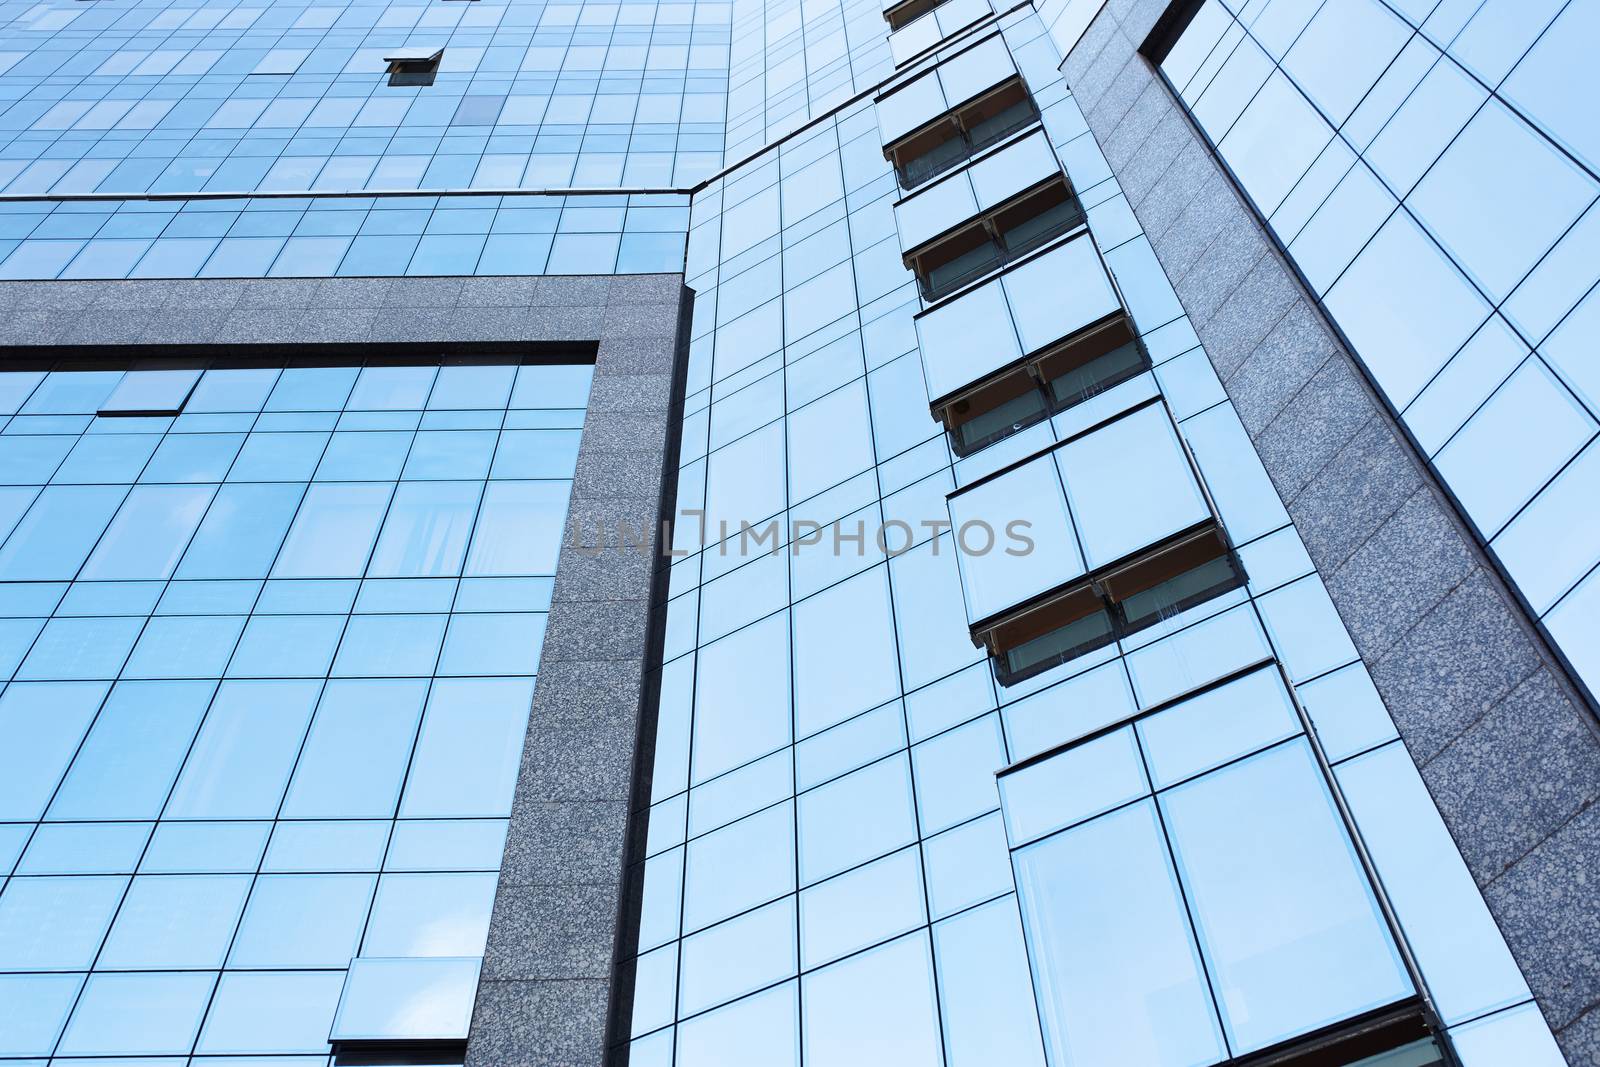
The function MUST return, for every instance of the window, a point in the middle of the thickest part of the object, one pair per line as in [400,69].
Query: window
[399,1054]
[413,65]
[1170,578]
[995,238]
[405,1011]
[956,136]
[1045,298]
[903,13]
[1145,861]
[1068,373]
[146,391]
[1392,1037]
[281,61]
[266,799]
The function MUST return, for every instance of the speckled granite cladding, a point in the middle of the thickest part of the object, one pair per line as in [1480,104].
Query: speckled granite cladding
[268,311]
[562,916]
[1508,752]
[558,923]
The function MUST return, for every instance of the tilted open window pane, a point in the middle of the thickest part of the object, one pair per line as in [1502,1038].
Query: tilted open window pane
[996,237]
[151,391]
[1144,907]
[389,1000]
[1064,627]
[900,14]
[948,140]
[1171,578]
[413,65]
[1049,302]
[1103,534]
[1077,369]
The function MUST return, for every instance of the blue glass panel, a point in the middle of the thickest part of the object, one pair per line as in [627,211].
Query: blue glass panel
[1118,974]
[1237,858]
[128,762]
[356,752]
[302,920]
[174,922]
[138,1013]
[407,1000]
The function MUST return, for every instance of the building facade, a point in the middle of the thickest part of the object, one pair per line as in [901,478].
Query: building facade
[742,532]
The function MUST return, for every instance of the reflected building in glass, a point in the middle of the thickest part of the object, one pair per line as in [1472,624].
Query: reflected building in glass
[735,533]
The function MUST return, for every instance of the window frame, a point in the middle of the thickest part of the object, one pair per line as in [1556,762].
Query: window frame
[1030,375]
[1044,615]
[902,14]
[958,122]
[1349,1041]
[991,226]
[413,66]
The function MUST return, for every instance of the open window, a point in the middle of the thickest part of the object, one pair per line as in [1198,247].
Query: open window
[1124,598]
[1397,1036]
[916,26]
[413,66]
[955,136]
[404,1011]
[1175,830]
[898,15]
[149,390]
[1074,370]
[995,238]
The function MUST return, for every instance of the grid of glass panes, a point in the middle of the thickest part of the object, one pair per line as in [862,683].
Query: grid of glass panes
[237,96]
[270,663]
[343,236]
[791,62]
[827,875]
[1145,864]
[1435,174]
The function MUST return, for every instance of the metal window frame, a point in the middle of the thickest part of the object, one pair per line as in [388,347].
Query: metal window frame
[1031,369]
[1390,1026]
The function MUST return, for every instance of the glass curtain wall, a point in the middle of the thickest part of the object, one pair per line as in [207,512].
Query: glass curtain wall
[214,602]
[828,876]
[1434,175]
[182,96]
[270,636]
[342,236]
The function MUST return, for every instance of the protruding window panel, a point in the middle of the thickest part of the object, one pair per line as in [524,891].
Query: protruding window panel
[1062,627]
[965,131]
[905,12]
[146,391]
[995,238]
[970,101]
[1026,309]
[413,65]
[1144,861]
[1066,374]
[1106,533]
[1101,608]
[940,208]
[424,1004]
[918,26]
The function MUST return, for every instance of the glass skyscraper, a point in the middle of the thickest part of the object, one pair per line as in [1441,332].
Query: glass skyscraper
[752,533]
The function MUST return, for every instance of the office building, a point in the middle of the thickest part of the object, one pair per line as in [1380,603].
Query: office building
[745,532]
